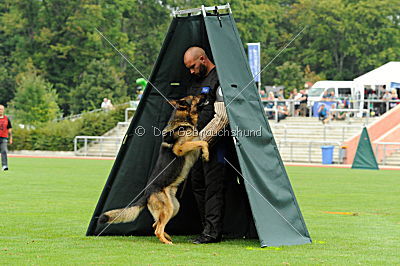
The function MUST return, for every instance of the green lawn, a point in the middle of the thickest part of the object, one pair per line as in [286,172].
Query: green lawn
[46,205]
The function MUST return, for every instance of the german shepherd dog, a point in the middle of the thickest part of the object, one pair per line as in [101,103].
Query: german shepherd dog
[179,151]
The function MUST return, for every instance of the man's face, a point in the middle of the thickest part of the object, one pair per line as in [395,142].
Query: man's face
[196,66]
[1,110]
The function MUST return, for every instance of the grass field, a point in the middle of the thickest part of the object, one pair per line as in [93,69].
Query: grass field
[46,205]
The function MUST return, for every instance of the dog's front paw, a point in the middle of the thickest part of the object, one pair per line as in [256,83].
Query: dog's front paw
[205,157]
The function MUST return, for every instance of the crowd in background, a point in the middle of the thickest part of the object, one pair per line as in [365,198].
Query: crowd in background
[300,105]
[330,108]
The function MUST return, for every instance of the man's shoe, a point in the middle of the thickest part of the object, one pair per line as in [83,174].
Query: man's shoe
[206,239]
[5,168]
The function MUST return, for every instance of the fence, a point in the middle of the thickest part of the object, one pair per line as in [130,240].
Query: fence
[385,149]
[73,117]
[300,143]
[356,106]
[325,129]
[97,145]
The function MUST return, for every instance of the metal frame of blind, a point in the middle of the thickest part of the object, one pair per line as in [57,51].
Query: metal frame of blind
[203,10]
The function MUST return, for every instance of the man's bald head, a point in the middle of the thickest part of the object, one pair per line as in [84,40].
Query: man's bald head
[194,53]
[196,60]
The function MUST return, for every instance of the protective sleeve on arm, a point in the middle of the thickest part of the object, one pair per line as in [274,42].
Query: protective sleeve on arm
[220,120]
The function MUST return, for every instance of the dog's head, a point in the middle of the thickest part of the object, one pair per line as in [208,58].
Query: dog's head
[182,109]
[186,109]
[184,117]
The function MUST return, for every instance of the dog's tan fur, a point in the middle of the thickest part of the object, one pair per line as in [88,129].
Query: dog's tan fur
[163,205]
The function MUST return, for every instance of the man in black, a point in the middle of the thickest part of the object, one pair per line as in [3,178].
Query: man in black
[208,178]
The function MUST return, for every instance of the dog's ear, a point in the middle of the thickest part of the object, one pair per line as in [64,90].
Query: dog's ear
[189,100]
[186,100]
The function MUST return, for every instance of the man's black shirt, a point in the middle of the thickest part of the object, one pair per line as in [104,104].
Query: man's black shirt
[208,86]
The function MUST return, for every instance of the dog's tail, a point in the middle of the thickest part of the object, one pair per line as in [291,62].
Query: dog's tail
[125,215]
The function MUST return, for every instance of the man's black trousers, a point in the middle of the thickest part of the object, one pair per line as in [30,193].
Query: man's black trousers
[208,185]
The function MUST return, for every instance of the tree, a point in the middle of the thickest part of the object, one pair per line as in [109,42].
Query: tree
[311,76]
[289,75]
[347,38]
[98,81]
[35,101]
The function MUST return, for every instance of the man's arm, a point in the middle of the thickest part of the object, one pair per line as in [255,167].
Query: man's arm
[219,121]
[9,128]
[10,135]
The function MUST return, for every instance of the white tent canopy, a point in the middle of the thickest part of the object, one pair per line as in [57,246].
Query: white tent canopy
[387,74]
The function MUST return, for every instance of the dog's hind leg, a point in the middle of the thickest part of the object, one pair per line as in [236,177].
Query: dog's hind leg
[161,209]
[167,236]
[165,216]
[155,206]
[171,192]
[174,200]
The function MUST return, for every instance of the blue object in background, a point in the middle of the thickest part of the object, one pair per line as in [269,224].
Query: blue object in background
[255,60]
[327,154]
[394,85]
[316,106]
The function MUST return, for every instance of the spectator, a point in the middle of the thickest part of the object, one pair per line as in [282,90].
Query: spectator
[303,103]
[106,105]
[140,95]
[325,96]
[374,107]
[5,137]
[262,94]
[387,96]
[270,104]
[296,96]
[394,98]
[323,114]
[372,95]
[283,111]
[110,106]
[339,115]
[270,99]
[271,96]
[332,96]
[280,94]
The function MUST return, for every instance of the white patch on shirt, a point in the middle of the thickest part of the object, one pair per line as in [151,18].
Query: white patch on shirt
[219,91]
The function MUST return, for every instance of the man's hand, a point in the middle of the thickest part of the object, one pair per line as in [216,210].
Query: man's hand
[11,141]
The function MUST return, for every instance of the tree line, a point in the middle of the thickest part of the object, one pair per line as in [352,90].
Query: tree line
[54,62]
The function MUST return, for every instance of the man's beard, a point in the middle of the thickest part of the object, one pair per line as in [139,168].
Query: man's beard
[202,73]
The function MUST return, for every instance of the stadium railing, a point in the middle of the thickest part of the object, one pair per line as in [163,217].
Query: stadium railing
[310,144]
[384,149]
[356,106]
[325,128]
[96,145]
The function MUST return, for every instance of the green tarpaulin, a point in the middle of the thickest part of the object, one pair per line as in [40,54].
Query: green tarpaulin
[365,158]
[259,201]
